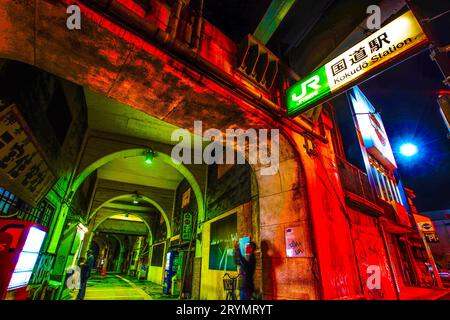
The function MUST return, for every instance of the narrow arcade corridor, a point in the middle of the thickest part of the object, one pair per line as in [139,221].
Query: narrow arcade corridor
[119,287]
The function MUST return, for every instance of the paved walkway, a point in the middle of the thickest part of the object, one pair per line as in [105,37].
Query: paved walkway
[119,287]
[114,287]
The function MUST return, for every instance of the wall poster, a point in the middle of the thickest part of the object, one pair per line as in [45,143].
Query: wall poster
[222,240]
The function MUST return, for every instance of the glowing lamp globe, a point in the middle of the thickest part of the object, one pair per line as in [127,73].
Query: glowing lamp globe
[149,157]
[408,149]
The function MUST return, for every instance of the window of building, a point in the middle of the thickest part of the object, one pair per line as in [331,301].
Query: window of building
[7,202]
[41,214]
[157,255]
[419,253]
[387,188]
[10,204]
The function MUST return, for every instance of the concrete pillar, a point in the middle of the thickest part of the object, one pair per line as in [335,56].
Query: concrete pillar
[88,238]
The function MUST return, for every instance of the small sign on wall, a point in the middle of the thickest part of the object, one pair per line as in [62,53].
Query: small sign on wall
[186,198]
[294,244]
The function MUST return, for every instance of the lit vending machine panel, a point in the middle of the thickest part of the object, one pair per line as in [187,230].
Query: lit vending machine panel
[170,270]
[20,244]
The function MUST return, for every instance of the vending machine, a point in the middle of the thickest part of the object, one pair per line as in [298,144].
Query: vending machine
[20,244]
[170,270]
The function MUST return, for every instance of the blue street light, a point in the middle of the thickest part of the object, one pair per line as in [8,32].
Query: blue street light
[408,149]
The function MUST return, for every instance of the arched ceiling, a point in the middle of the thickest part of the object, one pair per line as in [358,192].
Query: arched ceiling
[108,115]
[135,171]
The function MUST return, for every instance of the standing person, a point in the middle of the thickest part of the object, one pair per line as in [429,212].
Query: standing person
[247,266]
[85,273]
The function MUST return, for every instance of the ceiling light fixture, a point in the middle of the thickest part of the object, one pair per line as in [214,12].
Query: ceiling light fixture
[149,155]
[136,198]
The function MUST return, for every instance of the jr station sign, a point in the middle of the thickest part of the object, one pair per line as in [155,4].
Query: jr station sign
[395,41]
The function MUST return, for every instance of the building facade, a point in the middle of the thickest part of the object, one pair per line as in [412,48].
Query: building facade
[98,108]
[436,232]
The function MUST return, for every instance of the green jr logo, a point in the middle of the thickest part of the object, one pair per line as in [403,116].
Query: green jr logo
[312,83]
[306,92]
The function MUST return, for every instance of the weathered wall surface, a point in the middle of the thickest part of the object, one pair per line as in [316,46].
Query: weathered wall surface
[283,204]
[370,251]
[132,70]
[227,191]
[145,77]
[330,223]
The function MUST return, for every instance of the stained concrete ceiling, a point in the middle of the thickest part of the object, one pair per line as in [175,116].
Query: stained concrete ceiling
[108,115]
[135,171]
[127,227]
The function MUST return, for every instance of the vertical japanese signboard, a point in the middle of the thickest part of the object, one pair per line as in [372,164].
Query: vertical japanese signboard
[186,227]
[23,170]
[374,53]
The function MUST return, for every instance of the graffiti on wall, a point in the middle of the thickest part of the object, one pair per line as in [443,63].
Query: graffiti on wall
[294,245]
[43,269]
[370,252]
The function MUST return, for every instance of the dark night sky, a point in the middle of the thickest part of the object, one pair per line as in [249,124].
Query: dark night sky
[406,95]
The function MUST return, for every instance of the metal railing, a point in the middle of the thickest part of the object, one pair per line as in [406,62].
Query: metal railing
[355,181]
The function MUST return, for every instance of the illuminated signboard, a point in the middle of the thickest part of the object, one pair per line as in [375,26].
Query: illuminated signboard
[27,259]
[427,227]
[376,51]
[186,229]
[372,129]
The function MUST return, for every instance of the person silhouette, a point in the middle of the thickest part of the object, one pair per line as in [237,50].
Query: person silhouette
[85,272]
[247,265]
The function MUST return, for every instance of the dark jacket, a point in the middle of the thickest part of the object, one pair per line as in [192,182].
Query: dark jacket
[247,270]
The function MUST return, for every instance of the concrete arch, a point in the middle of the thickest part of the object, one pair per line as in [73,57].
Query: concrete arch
[97,224]
[137,152]
[154,203]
